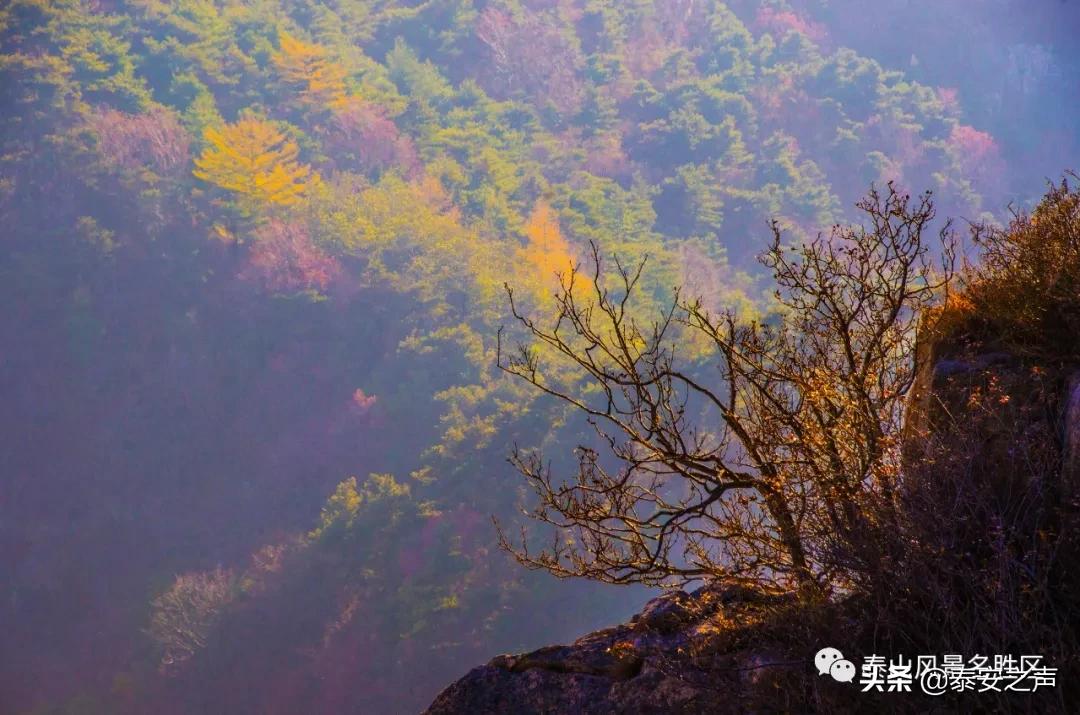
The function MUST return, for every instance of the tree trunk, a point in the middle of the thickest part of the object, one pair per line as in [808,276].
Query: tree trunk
[789,534]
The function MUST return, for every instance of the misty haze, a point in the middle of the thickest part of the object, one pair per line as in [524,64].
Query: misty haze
[286,424]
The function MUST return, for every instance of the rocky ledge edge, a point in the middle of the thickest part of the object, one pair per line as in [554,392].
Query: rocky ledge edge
[677,656]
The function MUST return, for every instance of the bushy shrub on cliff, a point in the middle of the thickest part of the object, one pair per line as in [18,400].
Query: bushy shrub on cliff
[1027,280]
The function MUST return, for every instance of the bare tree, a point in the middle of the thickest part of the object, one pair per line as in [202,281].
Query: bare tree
[184,616]
[532,54]
[781,465]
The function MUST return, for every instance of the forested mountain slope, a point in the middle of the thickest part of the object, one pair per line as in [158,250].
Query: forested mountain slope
[252,258]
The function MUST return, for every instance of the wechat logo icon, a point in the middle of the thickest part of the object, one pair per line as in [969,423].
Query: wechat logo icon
[831,661]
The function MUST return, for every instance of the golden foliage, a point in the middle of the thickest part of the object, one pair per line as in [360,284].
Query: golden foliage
[319,80]
[957,310]
[1027,280]
[410,237]
[222,233]
[547,250]
[351,499]
[254,159]
[623,650]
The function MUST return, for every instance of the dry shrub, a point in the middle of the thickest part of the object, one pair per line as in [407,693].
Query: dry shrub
[1027,279]
[983,558]
[184,618]
[773,457]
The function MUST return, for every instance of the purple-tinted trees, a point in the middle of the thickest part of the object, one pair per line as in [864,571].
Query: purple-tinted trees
[154,140]
[285,258]
[532,55]
[360,137]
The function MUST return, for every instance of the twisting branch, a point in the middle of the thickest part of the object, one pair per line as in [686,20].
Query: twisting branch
[798,471]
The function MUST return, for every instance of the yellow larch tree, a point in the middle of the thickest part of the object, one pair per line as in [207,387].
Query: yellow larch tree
[552,261]
[320,81]
[547,250]
[257,161]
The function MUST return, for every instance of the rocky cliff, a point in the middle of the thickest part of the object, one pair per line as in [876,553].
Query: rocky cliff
[1035,395]
[684,653]
[726,648]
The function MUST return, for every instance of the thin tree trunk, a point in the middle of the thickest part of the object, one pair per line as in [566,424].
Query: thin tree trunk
[789,534]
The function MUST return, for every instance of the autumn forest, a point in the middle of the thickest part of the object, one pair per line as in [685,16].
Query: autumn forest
[254,259]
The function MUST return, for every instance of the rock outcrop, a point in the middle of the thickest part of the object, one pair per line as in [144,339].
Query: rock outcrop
[670,658]
[1043,410]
